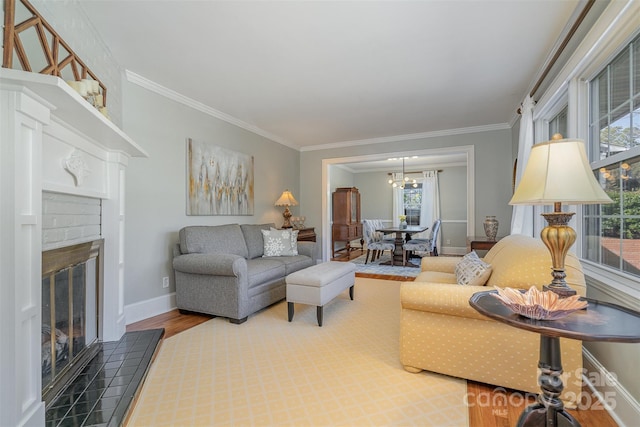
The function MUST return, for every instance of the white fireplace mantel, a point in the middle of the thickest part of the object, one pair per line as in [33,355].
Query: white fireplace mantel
[51,139]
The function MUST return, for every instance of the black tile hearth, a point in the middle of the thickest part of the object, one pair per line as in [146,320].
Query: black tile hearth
[103,392]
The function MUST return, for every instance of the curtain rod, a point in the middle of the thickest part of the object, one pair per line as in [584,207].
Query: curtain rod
[561,48]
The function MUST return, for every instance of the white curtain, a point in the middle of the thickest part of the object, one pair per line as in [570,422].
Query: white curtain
[398,200]
[430,209]
[522,215]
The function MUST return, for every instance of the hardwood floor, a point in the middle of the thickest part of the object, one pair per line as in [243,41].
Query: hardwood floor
[490,409]
[173,322]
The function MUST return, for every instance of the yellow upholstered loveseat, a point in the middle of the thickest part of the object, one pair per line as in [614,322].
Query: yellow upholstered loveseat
[441,332]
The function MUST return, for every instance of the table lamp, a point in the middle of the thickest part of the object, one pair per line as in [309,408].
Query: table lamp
[558,172]
[286,199]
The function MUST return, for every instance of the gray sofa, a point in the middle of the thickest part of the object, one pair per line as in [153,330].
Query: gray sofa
[220,270]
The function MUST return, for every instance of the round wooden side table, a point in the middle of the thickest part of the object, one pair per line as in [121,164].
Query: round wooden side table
[600,321]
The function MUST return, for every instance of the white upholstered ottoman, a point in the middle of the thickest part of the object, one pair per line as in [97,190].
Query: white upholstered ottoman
[319,284]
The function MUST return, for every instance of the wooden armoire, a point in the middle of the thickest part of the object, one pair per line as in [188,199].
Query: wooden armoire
[347,225]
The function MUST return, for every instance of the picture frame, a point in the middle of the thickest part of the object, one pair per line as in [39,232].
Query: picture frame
[219,180]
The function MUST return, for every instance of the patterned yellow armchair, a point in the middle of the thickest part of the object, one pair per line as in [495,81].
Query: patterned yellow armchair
[441,332]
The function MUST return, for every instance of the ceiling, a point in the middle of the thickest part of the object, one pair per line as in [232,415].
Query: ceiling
[323,73]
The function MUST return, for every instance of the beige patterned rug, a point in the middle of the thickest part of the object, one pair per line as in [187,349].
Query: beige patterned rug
[269,372]
[379,266]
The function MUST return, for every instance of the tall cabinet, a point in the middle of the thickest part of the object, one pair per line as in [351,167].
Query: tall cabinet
[347,225]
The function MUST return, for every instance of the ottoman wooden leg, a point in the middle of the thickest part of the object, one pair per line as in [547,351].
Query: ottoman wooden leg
[290,310]
[351,292]
[319,315]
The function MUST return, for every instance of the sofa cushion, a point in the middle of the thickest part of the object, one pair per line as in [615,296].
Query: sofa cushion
[441,298]
[294,263]
[445,264]
[437,277]
[280,242]
[213,239]
[253,238]
[471,270]
[264,270]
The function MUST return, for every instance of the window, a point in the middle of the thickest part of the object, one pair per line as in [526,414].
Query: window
[559,124]
[611,233]
[412,204]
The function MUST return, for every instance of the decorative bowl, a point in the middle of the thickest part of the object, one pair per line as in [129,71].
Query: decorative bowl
[539,305]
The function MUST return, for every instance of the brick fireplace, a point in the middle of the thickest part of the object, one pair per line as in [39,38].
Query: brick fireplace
[53,145]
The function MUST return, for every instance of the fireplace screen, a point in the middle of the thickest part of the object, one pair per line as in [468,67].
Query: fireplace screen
[69,313]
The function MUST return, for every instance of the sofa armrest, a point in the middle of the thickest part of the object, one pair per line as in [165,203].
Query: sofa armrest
[452,300]
[307,248]
[444,264]
[211,264]
[176,250]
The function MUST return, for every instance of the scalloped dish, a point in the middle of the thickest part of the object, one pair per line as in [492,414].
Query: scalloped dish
[539,305]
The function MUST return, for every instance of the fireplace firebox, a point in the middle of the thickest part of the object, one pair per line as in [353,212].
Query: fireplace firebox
[71,279]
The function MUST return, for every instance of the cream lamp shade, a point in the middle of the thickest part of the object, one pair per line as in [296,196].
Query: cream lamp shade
[558,172]
[286,199]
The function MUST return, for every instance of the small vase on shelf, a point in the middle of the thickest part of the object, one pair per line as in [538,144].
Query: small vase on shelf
[491,227]
[403,224]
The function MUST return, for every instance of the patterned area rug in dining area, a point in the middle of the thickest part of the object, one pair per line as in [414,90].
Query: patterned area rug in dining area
[378,266]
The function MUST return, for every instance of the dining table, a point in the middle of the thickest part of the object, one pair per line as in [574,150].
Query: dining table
[402,234]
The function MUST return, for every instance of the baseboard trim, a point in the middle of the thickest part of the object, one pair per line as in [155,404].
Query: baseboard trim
[152,307]
[626,410]
[454,250]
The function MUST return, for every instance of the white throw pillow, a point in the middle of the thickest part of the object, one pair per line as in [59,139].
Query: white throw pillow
[473,271]
[280,242]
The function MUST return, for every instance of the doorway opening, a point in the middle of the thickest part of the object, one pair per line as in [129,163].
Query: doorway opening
[434,159]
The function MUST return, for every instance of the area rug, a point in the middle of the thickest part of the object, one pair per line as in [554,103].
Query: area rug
[378,267]
[271,372]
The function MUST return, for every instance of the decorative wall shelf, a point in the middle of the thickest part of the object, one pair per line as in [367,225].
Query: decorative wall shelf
[70,107]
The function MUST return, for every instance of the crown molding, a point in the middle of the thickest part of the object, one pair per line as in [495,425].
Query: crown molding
[197,105]
[152,86]
[407,137]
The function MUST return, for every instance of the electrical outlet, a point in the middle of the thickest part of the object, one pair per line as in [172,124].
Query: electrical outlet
[448,242]
[165,282]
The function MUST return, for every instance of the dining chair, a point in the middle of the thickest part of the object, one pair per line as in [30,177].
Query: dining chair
[374,242]
[423,245]
[377,225]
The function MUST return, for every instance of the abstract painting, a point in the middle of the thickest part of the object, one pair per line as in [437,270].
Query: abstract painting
[219,180]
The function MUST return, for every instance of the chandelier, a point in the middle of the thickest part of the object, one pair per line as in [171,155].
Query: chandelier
[402,180]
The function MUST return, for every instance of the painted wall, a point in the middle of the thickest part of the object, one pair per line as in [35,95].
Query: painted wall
[453,208]
[376,195]
[155,207]
[493,166]
[340,177]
